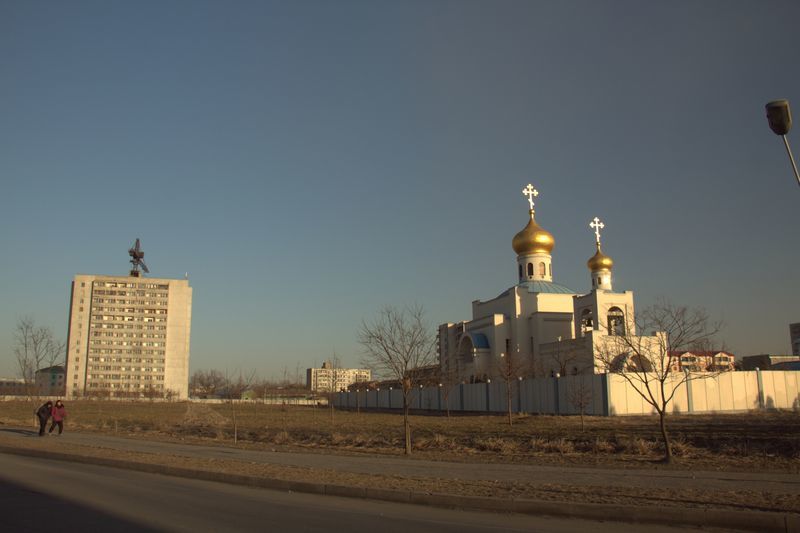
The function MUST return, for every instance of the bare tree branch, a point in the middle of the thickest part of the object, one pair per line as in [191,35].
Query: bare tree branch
[395,343]
[645,362]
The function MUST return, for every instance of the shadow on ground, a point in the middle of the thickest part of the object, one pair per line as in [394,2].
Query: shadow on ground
[26,509]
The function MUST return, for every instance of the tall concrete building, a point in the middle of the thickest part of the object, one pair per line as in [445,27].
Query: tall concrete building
[794,335]
[128,337]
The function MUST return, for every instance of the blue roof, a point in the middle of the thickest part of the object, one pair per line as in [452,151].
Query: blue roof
[547,287]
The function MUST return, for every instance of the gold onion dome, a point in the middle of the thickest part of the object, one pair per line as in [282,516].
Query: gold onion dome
[533,239]
[600,261]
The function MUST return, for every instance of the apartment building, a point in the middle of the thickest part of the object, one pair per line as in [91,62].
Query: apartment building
[329,378]
[128,337]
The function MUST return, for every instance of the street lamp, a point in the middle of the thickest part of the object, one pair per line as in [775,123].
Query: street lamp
[780,122]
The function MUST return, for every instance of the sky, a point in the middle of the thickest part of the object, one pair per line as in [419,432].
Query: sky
[309,162]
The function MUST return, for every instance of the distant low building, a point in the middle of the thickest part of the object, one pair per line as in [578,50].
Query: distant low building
[12,387]
[329,378]
[766,361]
[50,381]
[702,361]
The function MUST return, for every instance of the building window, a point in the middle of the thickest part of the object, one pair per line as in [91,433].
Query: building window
[616,321]
[520,271]
[542,269]
[587,321]
[530,269]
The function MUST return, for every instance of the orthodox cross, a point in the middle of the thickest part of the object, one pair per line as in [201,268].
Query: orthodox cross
[531,193]
[596,225]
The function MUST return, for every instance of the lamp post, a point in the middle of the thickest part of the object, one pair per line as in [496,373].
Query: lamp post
[780,122]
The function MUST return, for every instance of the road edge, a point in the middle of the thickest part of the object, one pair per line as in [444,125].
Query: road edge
[727,519]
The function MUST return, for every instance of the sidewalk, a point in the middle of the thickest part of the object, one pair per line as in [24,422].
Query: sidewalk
[775,482]
[27,442]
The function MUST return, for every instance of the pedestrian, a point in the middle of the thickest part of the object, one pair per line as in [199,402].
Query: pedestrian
[59,413]
[43,414]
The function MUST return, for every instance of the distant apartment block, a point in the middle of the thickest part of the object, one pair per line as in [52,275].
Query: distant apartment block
[50,381]
[794,334]
[702,361]
[332,379]
[128,337]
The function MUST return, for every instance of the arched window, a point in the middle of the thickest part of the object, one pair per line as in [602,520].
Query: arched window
[520,271]
[530,269]
[616,321]
[550,268]
[587,321]
[542,269]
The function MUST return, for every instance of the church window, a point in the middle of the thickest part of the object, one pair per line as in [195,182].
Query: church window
[616,321]
[530,269]
[520,271]
[542,269]
[550,269]
[586,320]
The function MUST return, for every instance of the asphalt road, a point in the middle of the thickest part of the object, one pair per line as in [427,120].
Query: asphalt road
[52,496]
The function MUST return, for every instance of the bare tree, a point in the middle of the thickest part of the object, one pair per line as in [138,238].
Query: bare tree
[35,347]
[579,394]
[645,362]
[335,367]
[395,343]
[234,388]
[510,367]
[448,378]
[206,383]
[564,357]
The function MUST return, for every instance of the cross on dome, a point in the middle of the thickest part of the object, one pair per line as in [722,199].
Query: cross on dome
[531,193]
[596,225]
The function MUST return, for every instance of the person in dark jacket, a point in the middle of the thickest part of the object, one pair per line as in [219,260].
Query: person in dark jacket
[59,413]
[43,414]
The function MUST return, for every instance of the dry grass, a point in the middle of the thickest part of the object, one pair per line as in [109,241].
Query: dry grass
[742,441]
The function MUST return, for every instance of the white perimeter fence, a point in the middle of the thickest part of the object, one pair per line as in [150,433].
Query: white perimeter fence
[600,394]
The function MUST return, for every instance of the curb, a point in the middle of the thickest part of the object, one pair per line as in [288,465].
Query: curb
[735,520]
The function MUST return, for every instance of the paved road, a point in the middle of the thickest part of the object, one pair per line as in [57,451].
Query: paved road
[774,482]
[40,495]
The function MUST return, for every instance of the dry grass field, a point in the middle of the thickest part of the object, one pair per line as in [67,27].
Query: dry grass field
[754,441]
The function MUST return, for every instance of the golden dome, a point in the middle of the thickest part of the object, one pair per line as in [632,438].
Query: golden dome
[600,261]
[533,239]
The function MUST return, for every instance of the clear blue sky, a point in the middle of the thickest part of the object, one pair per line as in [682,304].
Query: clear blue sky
[308,162]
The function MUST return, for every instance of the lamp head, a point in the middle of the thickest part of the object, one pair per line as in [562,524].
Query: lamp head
[779,116]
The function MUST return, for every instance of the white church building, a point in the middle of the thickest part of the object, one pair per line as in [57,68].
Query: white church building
[539,327]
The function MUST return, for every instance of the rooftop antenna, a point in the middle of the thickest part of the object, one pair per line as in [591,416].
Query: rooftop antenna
[137,260]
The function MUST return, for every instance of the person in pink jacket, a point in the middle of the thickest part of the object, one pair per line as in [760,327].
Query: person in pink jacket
[59,413]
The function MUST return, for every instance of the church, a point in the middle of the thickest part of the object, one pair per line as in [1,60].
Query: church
[539,327]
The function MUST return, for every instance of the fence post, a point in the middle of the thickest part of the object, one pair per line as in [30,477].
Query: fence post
[760,388]
[488,398]
[689,394]
[556,406]
[606,388]
[461,396]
